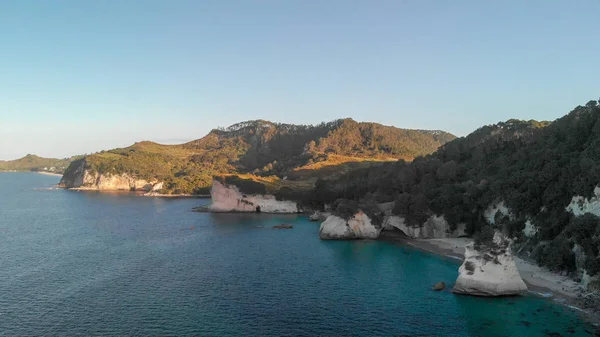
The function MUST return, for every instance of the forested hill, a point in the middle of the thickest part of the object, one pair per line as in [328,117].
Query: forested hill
[32,162]
[266,149]
[535,168]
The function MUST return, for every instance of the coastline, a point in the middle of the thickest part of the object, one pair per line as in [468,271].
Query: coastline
[49,173]
[138,193]
[540,282]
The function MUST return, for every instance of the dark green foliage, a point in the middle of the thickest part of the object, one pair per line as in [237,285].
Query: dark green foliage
[286,193]
[557,255]
[345,209]
[534,167]
[484,237]
[246,186]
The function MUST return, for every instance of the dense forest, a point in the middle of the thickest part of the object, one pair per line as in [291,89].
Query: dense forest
[533,168]
[264,148]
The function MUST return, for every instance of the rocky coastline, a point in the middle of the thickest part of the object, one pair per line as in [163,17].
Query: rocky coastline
[540,281]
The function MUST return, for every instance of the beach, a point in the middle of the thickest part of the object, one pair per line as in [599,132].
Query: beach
[540,281]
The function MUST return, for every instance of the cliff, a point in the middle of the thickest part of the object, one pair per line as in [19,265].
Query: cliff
[489,270]
[79,176]
[229,198]
[434,228]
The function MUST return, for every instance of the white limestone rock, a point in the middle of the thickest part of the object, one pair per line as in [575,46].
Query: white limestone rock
[84,179]
[490,271]
[493,209]
[228,198]
[580,205]
[358,227]
[530,230]
[435,227]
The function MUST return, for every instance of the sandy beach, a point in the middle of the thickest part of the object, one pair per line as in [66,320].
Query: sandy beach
[537,278]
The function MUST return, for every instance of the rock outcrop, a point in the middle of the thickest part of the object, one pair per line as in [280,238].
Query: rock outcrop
[79,177]
[489,270]
[357,227]
[439,286]
[434,228]
[580,205]
[228,198]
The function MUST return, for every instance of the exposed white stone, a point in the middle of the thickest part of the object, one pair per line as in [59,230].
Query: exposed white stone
[586,279]
[435,227]
[358,227]
[580,205]
[529,230]
[493,209]
[230,199]
[87,180]
[489,271]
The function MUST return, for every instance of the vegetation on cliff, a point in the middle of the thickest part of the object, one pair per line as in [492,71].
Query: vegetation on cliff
[265,149]
[35,163]
[534,168]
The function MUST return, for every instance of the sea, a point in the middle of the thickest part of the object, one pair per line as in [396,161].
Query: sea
[96,264]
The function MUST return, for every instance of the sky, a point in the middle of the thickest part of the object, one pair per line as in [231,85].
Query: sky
[80,76]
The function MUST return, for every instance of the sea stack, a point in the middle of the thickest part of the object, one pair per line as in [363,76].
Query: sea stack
[357,227]
[489,270]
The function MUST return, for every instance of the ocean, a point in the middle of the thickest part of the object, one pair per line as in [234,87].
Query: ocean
[94,264]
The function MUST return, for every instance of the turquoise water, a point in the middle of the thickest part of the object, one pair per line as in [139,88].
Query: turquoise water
[78,263]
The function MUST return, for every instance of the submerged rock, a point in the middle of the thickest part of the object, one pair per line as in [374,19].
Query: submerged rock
[283,226]
[357,227]
[439,286]
[489,270]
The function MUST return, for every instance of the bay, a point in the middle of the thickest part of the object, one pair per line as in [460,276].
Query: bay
[86,263]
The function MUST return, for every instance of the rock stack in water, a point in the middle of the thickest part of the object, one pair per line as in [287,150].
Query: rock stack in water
[489,270]
[357,227]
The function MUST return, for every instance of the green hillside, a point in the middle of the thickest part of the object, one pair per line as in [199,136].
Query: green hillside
[264,149]
[34,163]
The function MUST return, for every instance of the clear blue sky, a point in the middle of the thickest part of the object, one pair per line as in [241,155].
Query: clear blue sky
[81,76]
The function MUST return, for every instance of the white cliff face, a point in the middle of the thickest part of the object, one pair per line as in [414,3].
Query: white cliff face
[493,209]
[358,227]
[86,180]
[529,230]
[230,199]
[434,228]
[490,271]
[580,205]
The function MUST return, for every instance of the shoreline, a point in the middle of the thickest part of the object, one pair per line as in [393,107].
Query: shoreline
[49,173]
[540,282]
[137,193]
